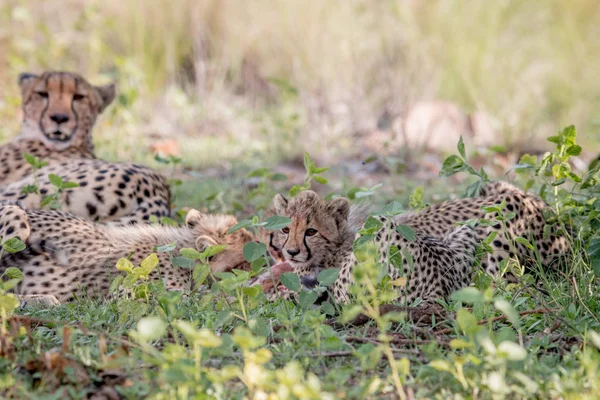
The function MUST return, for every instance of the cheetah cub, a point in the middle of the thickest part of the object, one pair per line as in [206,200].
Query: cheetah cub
[321,236]
[65,254]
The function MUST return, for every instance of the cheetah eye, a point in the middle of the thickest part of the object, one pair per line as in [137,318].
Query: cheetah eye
[78,97]
[310,232]
[42,94]
[285,230]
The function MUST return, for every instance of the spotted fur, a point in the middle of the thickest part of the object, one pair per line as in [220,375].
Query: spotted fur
[66,254]
[321,236]
[59,112]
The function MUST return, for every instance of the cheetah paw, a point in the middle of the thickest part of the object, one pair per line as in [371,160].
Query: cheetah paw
[38,300]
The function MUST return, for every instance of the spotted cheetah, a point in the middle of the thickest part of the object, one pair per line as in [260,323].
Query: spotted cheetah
[322,233]
[65,254]
[59,112]
[320,236]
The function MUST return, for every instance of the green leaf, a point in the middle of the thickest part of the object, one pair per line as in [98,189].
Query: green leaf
[441,365]
[451,166]
[132,278]
[328,276]
[55,180]
[13,273]
[407,232]
[392,209]
[461,148]
[151,328]
[467,321]
[70,185]
[149,264]
[167,248]
[468,295]
[291,281]
[124,265]
[183,262]
[297,189]
[509,311]
[240,225]
[190,253]
[13,245]
[416,198]
[200,274]
[212,251]
[9,284]
[513,351]
[46,200]
[328,308]
[524,242]
[253,251]
[252,291]
[114,285]
[9,302]
[350,313]
[307,298]
[276,222]
[574,150]
[28,189]
[320,179]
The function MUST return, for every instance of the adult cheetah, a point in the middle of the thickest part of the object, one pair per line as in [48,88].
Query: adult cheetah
[65,254]
[320,236]
[59,112]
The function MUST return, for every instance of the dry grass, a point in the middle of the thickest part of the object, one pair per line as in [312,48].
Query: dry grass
[268,80]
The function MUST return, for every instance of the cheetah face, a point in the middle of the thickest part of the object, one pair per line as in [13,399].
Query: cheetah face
[60,108]
[314,233]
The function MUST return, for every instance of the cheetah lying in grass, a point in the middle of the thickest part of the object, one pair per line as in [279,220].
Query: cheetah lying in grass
[321,234]
[65,253]
[59,112]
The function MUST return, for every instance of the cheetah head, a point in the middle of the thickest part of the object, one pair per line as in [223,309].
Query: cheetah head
[317,231]
[60,108]
[211,230]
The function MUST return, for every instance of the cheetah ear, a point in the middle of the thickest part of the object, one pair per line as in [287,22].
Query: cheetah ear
[280,204]
[193,218]
[339,208]
[107,94]
[26,80]
[204,242]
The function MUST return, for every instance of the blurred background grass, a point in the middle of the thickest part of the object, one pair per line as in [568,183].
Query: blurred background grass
[258,82]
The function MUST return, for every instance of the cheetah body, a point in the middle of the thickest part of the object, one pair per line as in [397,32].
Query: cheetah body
[442,252]
[59,112]
[65,254]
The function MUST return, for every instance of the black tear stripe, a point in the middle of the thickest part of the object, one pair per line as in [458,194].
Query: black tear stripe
[309,255]
[73,108]
[45,106]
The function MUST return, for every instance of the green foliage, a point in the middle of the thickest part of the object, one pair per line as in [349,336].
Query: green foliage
[312,173]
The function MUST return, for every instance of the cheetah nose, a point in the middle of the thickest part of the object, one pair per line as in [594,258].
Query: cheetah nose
[293,252]
[59,118]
